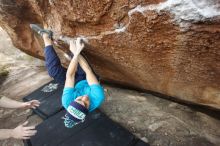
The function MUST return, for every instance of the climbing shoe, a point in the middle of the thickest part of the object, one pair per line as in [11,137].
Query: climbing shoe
[41,31]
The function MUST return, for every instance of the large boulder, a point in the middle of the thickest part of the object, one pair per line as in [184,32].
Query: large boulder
[171,47]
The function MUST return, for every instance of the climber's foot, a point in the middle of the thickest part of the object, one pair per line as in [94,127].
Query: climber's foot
[41,31]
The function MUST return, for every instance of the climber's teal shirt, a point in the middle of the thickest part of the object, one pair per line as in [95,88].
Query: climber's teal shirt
[95,93]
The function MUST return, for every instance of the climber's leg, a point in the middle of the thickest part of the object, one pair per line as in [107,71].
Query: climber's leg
[52,61]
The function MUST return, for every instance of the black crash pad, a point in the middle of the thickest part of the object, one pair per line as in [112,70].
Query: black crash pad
[97,130]
[50,97]
[141,143]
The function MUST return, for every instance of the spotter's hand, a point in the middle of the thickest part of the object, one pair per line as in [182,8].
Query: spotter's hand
[31,104]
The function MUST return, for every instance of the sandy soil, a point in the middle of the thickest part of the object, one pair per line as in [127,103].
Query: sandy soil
[157,121]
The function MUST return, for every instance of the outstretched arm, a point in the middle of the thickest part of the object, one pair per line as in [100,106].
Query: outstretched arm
[70,80]
[5,133]
[20,132]
[9,103]
[70,75]
[90,77]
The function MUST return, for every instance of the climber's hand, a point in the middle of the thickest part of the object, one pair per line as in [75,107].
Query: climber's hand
[79,45]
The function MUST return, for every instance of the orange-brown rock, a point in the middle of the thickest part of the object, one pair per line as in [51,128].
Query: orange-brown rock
[169,47]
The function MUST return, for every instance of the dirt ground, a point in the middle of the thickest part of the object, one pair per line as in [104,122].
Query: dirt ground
[158,121]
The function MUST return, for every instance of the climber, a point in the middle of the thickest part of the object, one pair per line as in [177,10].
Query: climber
[82,91]
[22,131]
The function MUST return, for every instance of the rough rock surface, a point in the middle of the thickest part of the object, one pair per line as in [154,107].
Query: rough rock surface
[157,121]
[171,47]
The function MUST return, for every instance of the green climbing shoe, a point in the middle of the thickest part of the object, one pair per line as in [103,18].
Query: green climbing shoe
[41,31]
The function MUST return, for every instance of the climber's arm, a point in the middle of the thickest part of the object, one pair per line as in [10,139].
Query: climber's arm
[76,48]
[90,76]
[70,74]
